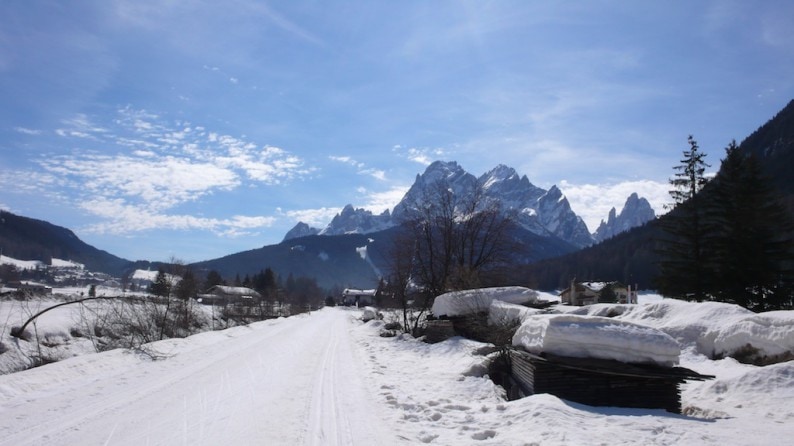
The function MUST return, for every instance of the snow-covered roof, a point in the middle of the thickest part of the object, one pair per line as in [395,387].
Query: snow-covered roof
[357,292]
[60,263]
[234,290]
[596,337]
[460,303]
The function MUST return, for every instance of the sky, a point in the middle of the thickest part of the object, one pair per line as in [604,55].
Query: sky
[196,129]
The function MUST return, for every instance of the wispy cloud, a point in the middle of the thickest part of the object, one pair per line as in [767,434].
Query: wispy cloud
[159,165]
[27,131]
[121,217]
[317,218]
[362,168]
[421,155]
[379,201]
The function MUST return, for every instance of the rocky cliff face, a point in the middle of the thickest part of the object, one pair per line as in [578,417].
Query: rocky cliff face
[636,212]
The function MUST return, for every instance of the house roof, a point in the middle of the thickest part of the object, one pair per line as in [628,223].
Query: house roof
[233,290]
[357,292]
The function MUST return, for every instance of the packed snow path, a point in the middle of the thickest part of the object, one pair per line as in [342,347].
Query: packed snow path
[291,381]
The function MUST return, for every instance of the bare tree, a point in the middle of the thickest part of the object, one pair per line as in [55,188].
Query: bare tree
[449,242]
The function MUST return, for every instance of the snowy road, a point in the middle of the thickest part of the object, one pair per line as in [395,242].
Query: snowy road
[289,381]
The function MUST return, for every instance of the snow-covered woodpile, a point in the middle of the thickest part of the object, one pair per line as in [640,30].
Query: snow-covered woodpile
[597,361]
[599,382]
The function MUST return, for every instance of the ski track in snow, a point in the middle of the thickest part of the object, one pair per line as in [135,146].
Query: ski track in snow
[290,382]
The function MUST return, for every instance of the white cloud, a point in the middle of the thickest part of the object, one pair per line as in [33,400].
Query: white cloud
[317,218]
[422,155]
[159,165]
[592,202]
[122,218]
[27,131]
[378,174]
[377,202]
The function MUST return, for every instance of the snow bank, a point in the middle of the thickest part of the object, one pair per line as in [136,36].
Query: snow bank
[460,303]
[764,388]
[713,328]
[503,313]
[596,337]
[369,314]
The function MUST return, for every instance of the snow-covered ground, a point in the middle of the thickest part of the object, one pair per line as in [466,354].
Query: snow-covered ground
[328,378]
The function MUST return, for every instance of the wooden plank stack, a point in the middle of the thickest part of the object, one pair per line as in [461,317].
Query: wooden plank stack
[599,382]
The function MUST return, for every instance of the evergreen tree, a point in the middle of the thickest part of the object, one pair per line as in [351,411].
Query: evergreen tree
[213,278]
[753,246]
[607,295]
[161,286]
[188,286]
[683,270]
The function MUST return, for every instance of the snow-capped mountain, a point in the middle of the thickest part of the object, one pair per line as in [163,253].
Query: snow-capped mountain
[637,211]
[301,230]
[543,212]
[357,221]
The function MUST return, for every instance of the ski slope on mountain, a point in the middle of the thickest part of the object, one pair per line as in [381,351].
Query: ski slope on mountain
[289,381]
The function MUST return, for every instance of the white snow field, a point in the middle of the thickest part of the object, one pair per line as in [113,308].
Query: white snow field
[327,378]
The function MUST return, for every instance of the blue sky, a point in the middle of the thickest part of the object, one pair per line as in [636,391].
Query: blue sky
[196,129]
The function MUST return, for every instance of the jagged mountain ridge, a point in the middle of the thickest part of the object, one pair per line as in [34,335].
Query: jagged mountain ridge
[636,212]
[543,212]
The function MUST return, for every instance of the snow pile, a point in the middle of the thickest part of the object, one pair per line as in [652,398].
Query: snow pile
[764,388]
[505,314]
[461,303]
[369,314]
[596,337]
[715,329]
[771,333]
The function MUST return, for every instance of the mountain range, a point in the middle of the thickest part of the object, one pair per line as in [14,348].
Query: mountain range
[546,213]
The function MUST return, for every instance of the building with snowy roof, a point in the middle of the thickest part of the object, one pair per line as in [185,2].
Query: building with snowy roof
[221,294]
[588,293]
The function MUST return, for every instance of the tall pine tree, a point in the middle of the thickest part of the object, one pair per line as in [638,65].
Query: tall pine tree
[683,252]
[752,245]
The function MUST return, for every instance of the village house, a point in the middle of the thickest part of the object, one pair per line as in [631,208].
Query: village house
[588,293]
[356,297]
[30,287]
[222,295]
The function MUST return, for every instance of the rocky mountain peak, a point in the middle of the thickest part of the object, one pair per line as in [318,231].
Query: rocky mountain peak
[546,213]
[300,230]
[636,212]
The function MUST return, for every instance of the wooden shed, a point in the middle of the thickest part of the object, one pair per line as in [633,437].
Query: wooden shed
[597,382]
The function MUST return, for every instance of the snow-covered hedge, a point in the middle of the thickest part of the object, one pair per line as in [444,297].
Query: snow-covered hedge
[596,337]
[461,303]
